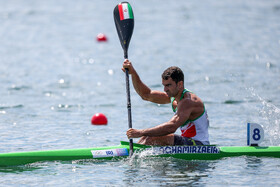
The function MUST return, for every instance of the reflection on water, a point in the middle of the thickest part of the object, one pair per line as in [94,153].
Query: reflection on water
[19,169]
[253,163]
[166,171]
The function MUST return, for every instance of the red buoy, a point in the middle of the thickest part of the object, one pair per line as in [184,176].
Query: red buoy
[99,119]
[101,37]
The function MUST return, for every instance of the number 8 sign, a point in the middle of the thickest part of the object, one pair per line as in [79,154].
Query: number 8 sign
[255,134]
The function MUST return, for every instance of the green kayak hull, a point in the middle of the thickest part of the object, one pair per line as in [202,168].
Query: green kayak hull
[122,151]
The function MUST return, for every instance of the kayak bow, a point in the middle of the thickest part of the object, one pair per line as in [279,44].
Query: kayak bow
[121,151]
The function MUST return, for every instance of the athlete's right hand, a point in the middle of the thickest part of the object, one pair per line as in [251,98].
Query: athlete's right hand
[133,133]
[128,65]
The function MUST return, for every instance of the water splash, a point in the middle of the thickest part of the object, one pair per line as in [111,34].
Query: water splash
[146,158]
[271,114]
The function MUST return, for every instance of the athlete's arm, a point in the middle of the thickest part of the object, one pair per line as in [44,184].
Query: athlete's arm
[143,90]
[183,112]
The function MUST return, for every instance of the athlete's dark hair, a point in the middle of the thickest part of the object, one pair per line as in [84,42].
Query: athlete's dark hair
[173,72]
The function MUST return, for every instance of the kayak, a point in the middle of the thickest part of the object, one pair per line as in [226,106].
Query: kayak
[210,152]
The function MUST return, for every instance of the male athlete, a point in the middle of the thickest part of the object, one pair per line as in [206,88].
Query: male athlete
[190,113]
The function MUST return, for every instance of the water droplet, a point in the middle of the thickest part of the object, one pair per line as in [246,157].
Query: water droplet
[61,81]
[268,65]
[110,72]
[91,61]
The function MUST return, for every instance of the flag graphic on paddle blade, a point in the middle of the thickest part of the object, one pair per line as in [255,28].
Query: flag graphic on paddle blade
[125,11]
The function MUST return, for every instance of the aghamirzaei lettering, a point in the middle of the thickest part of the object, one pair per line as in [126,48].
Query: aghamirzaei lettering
[184,150]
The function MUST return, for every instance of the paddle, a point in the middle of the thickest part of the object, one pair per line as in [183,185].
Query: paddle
[124,21]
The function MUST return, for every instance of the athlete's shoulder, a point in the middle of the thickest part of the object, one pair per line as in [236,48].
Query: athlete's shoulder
[192,99]
[158,97]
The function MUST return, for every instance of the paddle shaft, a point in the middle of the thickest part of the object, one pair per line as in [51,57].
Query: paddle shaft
[128,106]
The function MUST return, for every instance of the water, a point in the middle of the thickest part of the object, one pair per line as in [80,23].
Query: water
[54,76]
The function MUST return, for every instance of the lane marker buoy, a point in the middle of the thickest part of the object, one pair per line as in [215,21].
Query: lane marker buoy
[99,119]
[101,37]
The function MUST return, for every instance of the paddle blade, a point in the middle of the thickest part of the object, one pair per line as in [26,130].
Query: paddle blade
[124,21]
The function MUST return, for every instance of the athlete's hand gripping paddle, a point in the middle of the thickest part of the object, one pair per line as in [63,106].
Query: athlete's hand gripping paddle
[124,21]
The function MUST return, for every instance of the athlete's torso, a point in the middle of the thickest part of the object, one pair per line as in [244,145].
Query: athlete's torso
[197,128]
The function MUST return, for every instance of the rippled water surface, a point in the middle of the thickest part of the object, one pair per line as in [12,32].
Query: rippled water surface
[54,76]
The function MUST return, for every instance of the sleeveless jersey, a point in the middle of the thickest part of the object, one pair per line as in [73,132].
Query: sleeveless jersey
[196,129]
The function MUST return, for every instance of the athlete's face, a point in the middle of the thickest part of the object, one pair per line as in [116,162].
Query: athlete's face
[170,87]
